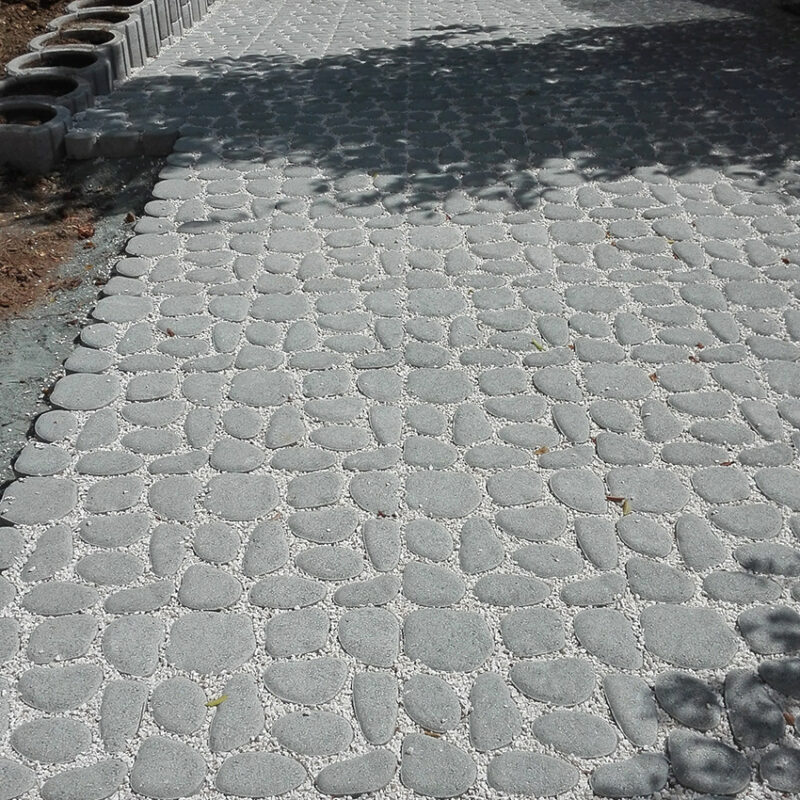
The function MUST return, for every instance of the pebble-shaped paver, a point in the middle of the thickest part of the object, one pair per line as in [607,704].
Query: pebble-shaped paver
[436,434]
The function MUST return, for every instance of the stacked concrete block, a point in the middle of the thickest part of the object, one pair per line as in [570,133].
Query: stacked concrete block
[111,43]
[83,54]
[32,133]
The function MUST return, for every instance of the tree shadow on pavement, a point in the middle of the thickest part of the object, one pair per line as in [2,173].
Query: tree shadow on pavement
[477,109]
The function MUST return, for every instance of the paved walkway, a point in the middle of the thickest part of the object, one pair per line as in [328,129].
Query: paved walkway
[438,437]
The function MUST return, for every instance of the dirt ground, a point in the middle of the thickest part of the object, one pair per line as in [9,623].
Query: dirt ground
[20,21]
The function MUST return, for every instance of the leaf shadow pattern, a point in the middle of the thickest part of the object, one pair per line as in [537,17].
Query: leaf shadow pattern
[477,109]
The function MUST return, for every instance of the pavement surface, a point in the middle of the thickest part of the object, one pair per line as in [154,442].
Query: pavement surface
[438,434]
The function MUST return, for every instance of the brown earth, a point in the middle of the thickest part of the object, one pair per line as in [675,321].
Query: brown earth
[20,21]
[42,219]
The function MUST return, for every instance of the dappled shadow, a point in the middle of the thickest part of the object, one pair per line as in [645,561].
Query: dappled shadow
[477,109]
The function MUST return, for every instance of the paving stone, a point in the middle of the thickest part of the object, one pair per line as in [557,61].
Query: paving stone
[608,635]
[755,719]
[510,590]
[95,782]
[576,732]
[494,719]
[780,769]
[445,640]
[375,703]
[660,582]
[179,705]
[320,733]
[9,639]
[62,638]
[769,558]
[643,774]
[548,560]
[382,543]
[533,631]
[601,590]
[166,768]
[442,494]
[560,681]
[428,539]
[57,598]
[174,497]
[256,774]
[781,484]
[209,642]
[132,644]
[431,703]
[52,552]
[632,706]
[36,500]
[430,585]
[55,426]
[698,545]
[206,587]
[695,638]
[434,767]
[707,765]
[56,689]
[371,635]
[533,524]
[597,541]
[770,629]
[309,682]
[688,699]
[782,674]
[579,489]
[360,775]
[51,740]
[480,549]
[531,774]
[85,392]
[649,490]
[239,718]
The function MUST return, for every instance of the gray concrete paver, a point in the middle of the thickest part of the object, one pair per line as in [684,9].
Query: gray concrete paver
[443,404]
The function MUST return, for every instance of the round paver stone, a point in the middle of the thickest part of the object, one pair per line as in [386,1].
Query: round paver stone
[579,489]
[318,733]
[442,494]
[259,775]
[167,769]
[695,638]
[649,490]
[353,777]
[688,699]
[511,590]
[644,774]
[62,638]
[286,591]
[450,641]
[607,634]
[58,598]
[531,774]
[51,741]
[59,688]
[770,629]
[781,484]
[209,642]
[330,563]
[35,500]
[179,705]
[238,497]
[15,779]
[434,768]
[262,388]
[95,782]
[780,769]
[562,681]
[432,585]
[431,703]
[296,632]
[537,524]
[309,682]
[533,632]
[494,719]
[85,392]
[208,588]
[707,765]
[371,635]
[576,732]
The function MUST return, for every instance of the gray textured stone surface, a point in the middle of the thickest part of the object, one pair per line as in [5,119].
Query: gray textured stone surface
[403,380]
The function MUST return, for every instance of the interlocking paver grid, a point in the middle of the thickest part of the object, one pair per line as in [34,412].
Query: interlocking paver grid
[438,433]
